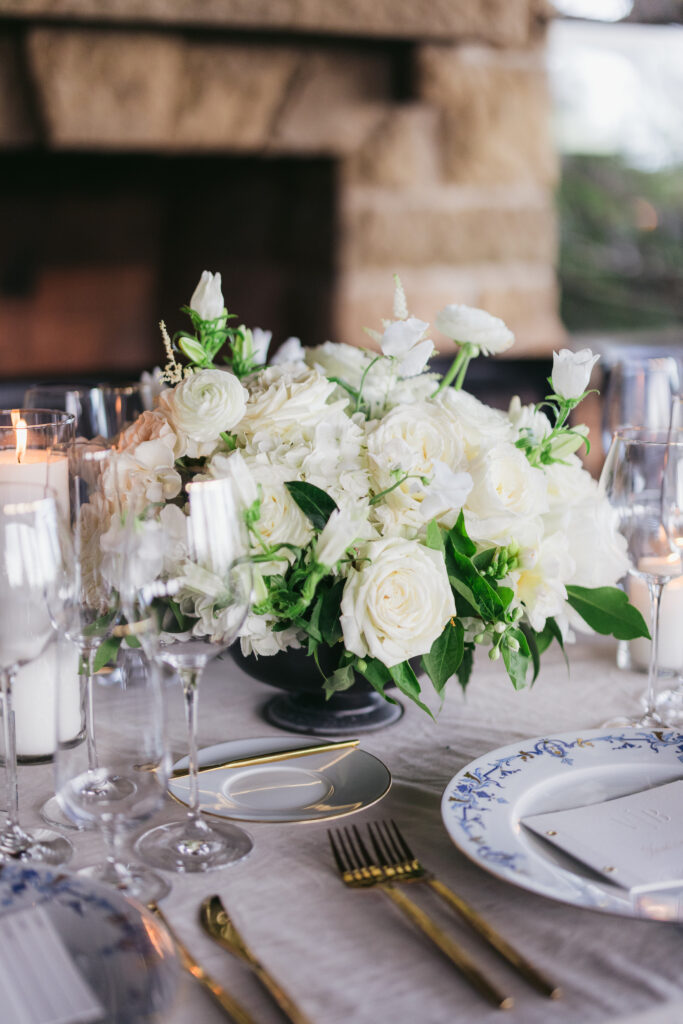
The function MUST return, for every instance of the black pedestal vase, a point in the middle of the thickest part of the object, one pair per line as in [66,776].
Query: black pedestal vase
[303,708]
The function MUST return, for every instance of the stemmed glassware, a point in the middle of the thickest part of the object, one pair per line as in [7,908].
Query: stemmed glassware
[634,479]
[34,565]
[212,581]
[638,392]
[101,411]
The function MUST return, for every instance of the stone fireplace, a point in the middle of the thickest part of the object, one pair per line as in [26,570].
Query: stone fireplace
[305,148]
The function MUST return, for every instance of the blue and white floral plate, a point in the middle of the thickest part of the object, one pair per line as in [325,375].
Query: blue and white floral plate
[120,949]
[482,808]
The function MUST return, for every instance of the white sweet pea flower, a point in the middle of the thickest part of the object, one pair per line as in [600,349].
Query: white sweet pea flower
[342,528]
[201,407]
[571,372]
[290,351]
[398,603]
[471,326]
[207,298]
[446,493]
[260,343]
[404,340]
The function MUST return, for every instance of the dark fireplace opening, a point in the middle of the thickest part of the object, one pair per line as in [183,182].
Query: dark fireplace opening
[97,248]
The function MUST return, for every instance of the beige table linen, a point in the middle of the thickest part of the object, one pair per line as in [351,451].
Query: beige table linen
[349,956]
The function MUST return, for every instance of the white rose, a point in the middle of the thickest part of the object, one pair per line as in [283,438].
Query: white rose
[478,424]
[286,402]
[467,325]
[281,521]
[506,489]
[571,372]
[207,298]
[201,407]
[398,603]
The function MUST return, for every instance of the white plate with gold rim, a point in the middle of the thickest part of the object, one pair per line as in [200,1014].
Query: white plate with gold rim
[310,788]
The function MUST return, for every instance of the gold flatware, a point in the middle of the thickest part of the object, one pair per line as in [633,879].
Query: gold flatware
[271,757]
[220,995]
[398,862]
[358,871]
[219,925]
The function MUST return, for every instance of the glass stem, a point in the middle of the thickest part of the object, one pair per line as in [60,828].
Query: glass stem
[13,839]
[89,657]
[114,871]
[189,678]
[655,588]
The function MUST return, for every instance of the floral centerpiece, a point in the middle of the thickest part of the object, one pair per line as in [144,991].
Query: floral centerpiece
[392,515]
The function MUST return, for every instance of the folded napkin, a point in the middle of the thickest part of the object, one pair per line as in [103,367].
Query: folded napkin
[39,982]
[634,840]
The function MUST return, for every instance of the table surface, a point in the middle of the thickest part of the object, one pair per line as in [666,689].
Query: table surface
[350,956]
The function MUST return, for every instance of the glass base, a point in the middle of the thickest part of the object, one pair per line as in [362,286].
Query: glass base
[193,846]
[134,880]
[647,720]
[43,847]
[52,814]
[670,706]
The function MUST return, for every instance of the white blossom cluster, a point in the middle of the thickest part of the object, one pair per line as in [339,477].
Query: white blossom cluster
[401,454]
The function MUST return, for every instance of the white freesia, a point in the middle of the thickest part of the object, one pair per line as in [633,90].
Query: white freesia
[397,604]
[340,531]
[572,371]
[539,583]
[207,298]
[201,407]
[405,341]
[290,351]
[467,325]
[260,343]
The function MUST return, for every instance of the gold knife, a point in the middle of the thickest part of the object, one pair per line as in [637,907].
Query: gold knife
[217,922]
[234,1010]
[270,757]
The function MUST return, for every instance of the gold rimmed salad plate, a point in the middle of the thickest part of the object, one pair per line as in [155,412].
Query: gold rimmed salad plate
[312,787]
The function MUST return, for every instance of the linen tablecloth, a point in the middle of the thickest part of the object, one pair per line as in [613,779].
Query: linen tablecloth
[349,956]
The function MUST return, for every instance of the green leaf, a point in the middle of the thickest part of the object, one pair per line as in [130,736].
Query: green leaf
[607,610]
[341,679]
[551,631]
[434,537]
[106,652]
[132,641]
[376,673]
[313,502]
[505,594]
[465,670]
[444,658]
[533,649]
[330,626]
[407,682]
[192,348]
[466,580]
[460,539]
[484,559]
[517,662]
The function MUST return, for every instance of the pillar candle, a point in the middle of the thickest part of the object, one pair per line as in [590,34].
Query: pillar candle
[670,613]
[37,466]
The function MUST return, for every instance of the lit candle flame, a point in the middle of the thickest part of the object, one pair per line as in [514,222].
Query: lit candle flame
[21,428]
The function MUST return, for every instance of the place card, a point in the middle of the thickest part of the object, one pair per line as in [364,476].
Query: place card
[39,982]
[634,840]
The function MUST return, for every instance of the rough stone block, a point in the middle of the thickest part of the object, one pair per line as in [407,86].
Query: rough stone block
[446,225]
[17,125]
[503,22]
[495,110]
[403,150]
[522,294]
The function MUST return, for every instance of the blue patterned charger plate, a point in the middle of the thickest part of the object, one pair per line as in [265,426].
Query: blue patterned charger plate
[120,949]
[482,808]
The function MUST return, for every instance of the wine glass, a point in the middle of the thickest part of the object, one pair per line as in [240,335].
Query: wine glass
[116,406]
[638,392]
[127,783]
[95,610]
[33,566]
[201,607]
[634,481]
[74,399]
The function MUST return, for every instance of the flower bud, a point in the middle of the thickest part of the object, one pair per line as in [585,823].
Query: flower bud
[494,654]
[571,372]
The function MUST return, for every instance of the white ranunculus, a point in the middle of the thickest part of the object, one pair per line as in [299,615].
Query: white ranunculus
[471,326]
[290,351]
[397,604]
[405,340]
[506,486]
[260,342]
[200,407]
[207,298]
[285,403]
[342,528]
[572,371]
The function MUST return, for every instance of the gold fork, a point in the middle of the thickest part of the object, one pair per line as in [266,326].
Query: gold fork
[398,862]
[358,871]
